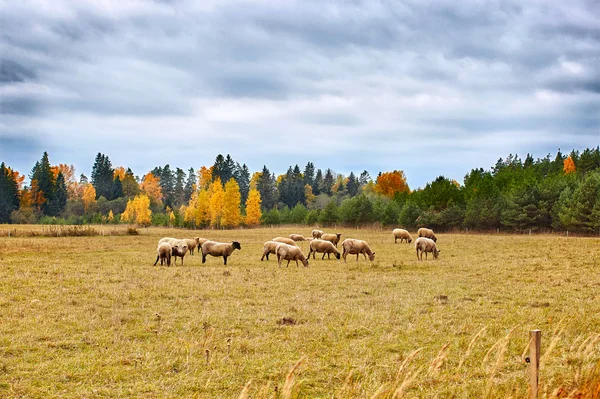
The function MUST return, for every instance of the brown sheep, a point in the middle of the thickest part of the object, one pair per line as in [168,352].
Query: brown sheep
[199,242]
[192,243]
[333,238]
[424,244]
[163,253]
[297,237]
[219,249]
[402,235]
[269,248]
[289,252]
[324,247]
[284,240]
[317,233]
[352,246]
[427,233]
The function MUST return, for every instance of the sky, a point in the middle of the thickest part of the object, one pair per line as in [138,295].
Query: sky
[428,87]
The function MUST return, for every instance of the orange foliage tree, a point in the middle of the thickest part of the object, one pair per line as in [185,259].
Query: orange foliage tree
[68,172]
[253,213]
[390,183]
[217,195]
[120,173]
[204,177]
[89,197]
[138,211]
[231,216]
[569,166]
[151,187]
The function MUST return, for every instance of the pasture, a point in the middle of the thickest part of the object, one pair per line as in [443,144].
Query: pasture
[90,317]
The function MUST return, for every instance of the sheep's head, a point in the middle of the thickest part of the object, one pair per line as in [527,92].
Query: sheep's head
[372,257]
[436,252]
[409,240]
[434,238]
[305,262]
[338,235]
[236,245]
[337,256]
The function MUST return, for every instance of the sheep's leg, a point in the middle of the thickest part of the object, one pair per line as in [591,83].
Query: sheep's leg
[264,253]
[323,256]
[279,260]
[225,260]
[344,254]
[157,260]
[417,253]
[203,257]
[357,257]
[288,264]
[364,254]
[296,263]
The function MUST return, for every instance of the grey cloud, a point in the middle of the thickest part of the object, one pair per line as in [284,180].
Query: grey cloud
[11,71]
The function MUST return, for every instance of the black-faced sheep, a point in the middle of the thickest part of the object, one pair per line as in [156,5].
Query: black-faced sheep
[289,253]
[324,247]
[219,249]
[402,235]
[427,233]
[356,247]
[317,233]
[285,240]
[269,248]
[424,244]
[333,238]
[163,252]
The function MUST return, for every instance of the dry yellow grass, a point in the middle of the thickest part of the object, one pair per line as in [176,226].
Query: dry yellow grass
[91,317]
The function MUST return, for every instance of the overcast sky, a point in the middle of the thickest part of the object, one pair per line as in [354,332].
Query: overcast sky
[429,87]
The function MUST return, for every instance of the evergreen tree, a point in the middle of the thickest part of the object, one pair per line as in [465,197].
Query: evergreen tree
[188,189]
[178,192]
[103,177]
[9,194]
[242,176]
[129,184]
[218,169]
[117,188]
[329,215]
[59,199]
[364,178]
[167,185]
[328,181]
[309,174]
[43,190]
[266,188]
[352,185]
[318,183]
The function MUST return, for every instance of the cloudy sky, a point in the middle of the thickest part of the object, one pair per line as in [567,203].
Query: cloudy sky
[430,87]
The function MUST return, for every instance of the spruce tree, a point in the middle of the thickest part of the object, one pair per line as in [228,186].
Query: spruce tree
[189,185]
[352,185]
[328,181]
[266,187]
[318,183]
[9,194]
[309,174]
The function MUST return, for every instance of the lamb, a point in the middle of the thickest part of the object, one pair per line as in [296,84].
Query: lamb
[333,238]
[269,248]
[219,249]
[191,244]
[402,235]
[424,244]
[289,252]
[284,240]
[352,246]
[324,247]
[317,233]
[298,237]
[427,233]
[178,249]
[163,253]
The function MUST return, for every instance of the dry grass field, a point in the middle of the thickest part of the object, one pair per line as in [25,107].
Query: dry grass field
[90,317]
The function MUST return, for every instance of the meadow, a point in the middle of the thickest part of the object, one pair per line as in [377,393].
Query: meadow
[90,317]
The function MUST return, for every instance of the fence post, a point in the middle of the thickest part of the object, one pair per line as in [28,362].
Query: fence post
[567,233]
[535,341]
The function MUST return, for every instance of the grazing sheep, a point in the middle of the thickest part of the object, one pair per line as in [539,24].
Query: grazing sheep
[284,240]
[427,233]
[166,239]
[297,237]
[289,252]
[191,244]
[424,244]
[352,246]
[333,238]
[200,241]
[269,248]
[402,235]
[163,253]
[219,249]
[317,233]
[178,249]
[324,247]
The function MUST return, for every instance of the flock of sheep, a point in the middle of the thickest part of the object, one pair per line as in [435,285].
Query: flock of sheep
[287,249]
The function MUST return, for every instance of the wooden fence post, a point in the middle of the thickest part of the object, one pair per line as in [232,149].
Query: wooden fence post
[535,341]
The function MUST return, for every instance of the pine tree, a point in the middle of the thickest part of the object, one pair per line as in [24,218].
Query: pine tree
[190,185]
[231,205]
[43,190]
[352,185]
[309,174]
[253,212]
[266,188]
[103,177]
[59,199]
[318,183]
[242,176]
[117,188]
[9,194]
[328,181]
[178,192]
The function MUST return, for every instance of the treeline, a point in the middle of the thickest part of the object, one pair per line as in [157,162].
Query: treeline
[543,194]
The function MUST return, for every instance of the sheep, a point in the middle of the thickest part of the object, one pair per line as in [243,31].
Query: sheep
[317,233]
[166,239]
[163,253]
[298,237]
[219,249]
[324,247]
[191,244]
[333,238]
[178,249]
[352,246]
[427,233]
[402,235]
[289,252]
[284,240]
[269,248]
[424,244]
[199,242]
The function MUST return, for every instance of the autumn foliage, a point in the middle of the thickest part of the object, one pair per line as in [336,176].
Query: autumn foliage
[568,166]
[89,197]
[138,211]
[390,183]
[253,212]
[217,198]
[151,187]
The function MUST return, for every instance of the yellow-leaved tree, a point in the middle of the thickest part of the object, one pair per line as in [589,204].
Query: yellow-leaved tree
[89,197]
[138,211]
[189,211]
[204,177]
[111,216]
[151,187]
[231,205]
[253,213]
[569,166]
[202,211]
[216,202]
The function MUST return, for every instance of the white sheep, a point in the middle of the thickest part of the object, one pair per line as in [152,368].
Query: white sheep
[219,249]
[324,247]
[285,240]
[333,238]
[297,237]
[402,235]
[356,247]
[289,253]
[163,252]
[424,244]
[192,243]
[200,241]
[269,248]
[317,233]
[178,249]
[427,233]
